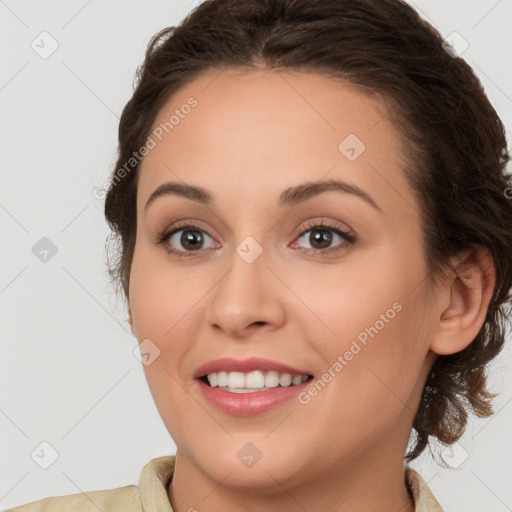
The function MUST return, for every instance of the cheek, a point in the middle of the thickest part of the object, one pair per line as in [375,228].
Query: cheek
[167,308]
[366,311]
[162,305]
[347,298]
[160,297]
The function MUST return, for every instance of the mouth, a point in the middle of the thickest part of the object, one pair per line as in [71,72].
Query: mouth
[254,381]
[249,401]
[250,375]
[251,386]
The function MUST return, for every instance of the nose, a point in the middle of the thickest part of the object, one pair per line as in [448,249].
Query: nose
[247,298]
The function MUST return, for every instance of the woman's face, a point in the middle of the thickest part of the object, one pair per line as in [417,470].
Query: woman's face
[259,278]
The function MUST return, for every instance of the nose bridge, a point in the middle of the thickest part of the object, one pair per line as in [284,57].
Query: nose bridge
[246,275]
[250,250]
[246,293]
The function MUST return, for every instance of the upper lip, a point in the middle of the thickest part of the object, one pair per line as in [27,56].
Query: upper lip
[227,364]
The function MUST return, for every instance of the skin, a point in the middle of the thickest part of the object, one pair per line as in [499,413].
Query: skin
[251,136]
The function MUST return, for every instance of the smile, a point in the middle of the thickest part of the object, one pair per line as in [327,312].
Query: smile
[254,381]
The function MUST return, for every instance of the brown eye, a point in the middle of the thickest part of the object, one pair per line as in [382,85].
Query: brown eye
[185,239]
[321,237]
[191,239]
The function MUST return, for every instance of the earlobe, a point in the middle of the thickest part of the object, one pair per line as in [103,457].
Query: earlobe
[467,298]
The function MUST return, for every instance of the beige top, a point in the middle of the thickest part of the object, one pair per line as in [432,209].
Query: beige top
[151,494]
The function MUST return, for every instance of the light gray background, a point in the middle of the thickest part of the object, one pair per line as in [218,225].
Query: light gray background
[68,375]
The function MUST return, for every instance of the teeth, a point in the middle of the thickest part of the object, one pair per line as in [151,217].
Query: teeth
[239,382]
[297,379]
[272,380]
[286,379]
[236,380]
[222,379]
[254,379]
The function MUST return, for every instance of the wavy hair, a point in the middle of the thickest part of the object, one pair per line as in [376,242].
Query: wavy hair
[455,143]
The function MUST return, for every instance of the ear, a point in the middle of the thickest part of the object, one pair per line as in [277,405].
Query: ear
[464,301]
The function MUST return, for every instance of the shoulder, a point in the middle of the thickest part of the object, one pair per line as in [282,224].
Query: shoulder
[424,500]
[150,494]
[122,498]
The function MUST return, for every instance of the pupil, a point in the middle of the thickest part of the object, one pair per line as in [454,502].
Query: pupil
[322,236]
[191,239]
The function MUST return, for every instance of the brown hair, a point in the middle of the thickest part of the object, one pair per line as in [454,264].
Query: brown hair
[455,144]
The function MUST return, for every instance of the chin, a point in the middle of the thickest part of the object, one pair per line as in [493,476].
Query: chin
[240,463]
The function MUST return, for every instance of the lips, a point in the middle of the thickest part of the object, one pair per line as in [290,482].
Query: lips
[252,402]
[228,364]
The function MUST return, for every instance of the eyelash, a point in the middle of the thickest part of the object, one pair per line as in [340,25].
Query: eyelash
[164,236]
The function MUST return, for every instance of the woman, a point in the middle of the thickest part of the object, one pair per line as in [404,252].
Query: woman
[311,204]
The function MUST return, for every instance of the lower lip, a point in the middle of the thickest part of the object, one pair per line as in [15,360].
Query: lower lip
[248,404]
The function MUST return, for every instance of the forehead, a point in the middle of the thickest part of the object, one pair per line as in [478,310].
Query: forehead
[270,129]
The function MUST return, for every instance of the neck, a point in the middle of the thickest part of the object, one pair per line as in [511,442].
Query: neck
[342,489]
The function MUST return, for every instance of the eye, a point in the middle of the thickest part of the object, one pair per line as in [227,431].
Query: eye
[321,235]
[187,239]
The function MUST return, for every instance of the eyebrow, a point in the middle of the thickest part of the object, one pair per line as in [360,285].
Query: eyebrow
[289,197]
